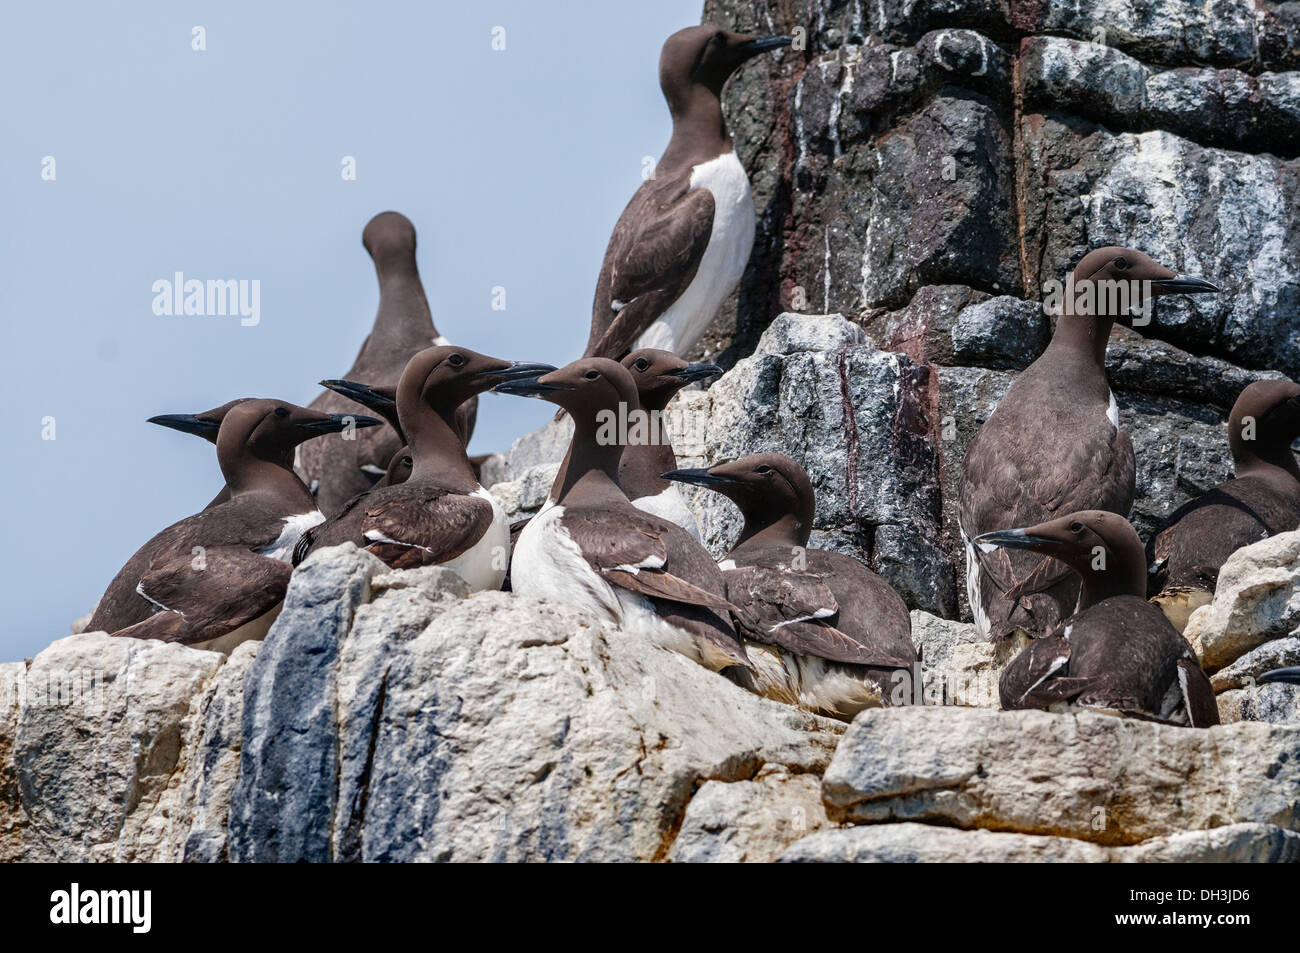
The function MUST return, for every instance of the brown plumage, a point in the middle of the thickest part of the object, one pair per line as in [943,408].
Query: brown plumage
[1117,651]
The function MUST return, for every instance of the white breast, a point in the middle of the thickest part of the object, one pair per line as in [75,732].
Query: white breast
[669,505]
[483,565]
[725,257]
[294,526]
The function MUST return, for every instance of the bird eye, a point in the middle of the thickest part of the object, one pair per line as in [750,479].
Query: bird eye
[1121,262]
[407,461]
[281,412]
[591,375]
[641,364]
[1076,527]
[456,361]
[763,469]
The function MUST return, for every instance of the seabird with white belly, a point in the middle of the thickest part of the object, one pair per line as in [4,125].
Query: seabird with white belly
[1054,446]
[659,375]
[682,243]
[218,578]
[440,515]
[589,547]
[1117,652]
[1190,546]
[337,469]
[823,631]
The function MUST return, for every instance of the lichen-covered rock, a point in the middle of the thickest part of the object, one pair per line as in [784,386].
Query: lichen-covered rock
[1257,599]
[1090,776]
[924,843]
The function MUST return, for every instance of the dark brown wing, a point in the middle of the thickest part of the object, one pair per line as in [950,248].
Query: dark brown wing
[406,526]
[1198,694]
[1027,681]
[652,256]
[206,595]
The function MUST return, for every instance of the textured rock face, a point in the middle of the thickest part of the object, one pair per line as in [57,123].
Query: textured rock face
[923,168]
[1090,776]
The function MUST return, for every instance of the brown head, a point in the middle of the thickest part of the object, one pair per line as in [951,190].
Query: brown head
[1102,547]
[1264,422]
[659,375]
[773,493]
[259,431]
[699,60]
[584,388]
[444,377]
[1143,275]
[389,238]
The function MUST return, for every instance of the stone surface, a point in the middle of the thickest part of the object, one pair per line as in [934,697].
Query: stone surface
[749,821]
[1090,776]
[923,843]
[1257,599]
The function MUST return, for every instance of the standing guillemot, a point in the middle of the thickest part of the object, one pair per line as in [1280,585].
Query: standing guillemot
[206,425]
[338,469]
[683,241]
[1190,546]
[589,547]
[1117,651]
[440,515]
[659,375]
[1053,446]
[823,631]
[217,578]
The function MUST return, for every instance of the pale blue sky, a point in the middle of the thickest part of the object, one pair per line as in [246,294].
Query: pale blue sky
[225,163]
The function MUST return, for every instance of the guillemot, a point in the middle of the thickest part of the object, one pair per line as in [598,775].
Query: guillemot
[1117,651]
[440,515]
[1054,446]
[1189,546]
[823,631]
[206,424]
[589,547]
[683,241]
[337,469]
[217,578]
[659,375]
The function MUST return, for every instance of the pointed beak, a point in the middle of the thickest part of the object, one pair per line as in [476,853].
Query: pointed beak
[1291,675]
[362,394]
[521,370]
[187,423]
[1014,539]
[337,422]
[761,44]
[524,380]
[1184,285]
[699,477]
[696,373]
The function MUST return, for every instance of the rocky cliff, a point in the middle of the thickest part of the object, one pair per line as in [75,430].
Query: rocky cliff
[921,168]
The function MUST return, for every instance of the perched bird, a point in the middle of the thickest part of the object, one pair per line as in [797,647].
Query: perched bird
[217,578]
[206,425]
[440,515]
[659,375]
[1053,446]
[823,631]
[1188,548]
[1117,651]
[589,547]
[682,243]
[336,469]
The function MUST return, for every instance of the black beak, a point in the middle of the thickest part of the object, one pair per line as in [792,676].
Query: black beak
[693,373]
[699,477]
[336,422]
[187,423]
[1289,675]
[362,394]
[526,382]
[1014,539]
[1184,285]
[520,370]
[764,43]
